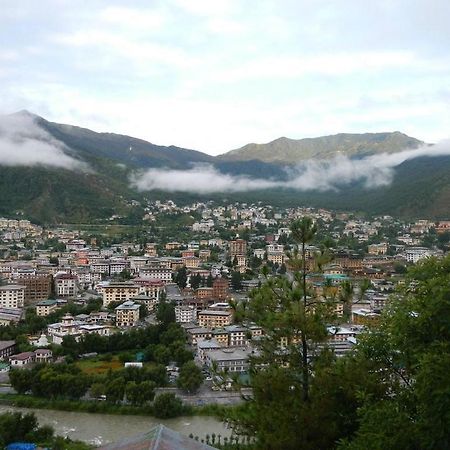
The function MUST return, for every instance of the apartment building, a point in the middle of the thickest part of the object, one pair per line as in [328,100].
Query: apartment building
[237,247]
[214,319]
[120,292]
[46,307]
[127,314]
[12,296]
[66,285]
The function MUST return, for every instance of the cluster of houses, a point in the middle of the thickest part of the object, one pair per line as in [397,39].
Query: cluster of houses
[130,278]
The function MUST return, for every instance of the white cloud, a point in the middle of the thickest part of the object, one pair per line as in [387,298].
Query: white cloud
[24,143]
[330,175]
[200,179]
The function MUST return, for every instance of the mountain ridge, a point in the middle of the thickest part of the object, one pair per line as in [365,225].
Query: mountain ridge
[286,150]
[47,194]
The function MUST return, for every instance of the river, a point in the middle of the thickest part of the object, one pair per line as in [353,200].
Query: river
[99,429]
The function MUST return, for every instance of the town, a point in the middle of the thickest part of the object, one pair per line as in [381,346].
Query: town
[68,293]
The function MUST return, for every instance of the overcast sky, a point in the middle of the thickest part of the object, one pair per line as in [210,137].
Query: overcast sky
[214,75]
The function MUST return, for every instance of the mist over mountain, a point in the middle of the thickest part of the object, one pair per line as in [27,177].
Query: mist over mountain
[55,172]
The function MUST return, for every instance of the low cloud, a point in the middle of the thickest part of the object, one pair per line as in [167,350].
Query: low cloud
[24,143]
[324,175]
[202,179]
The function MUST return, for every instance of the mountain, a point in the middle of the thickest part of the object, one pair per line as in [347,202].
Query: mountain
[98,186]
[288,151]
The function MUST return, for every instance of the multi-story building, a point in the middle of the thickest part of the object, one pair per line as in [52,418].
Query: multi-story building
[46,307]
[156,273]
[228,359]
[221,288]
[10,316]
[238,247]
[7,348]
[37,287]
[12,296]
[214,319]
[127,314]
[185,314]
[237,335]
[66,285]
[120,292]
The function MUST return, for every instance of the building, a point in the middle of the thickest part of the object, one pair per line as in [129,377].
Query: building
[66,285]
[43,355]
[237,247]
[37,287]
[71,327]
[214,319]
[10,316]
[237,335]
[378,249]
[127,314]
[22,359]
[7,348]
[221,288]
[12,296]
[156,273]
[228,359]
[46,307]
[120,292]
[185,314]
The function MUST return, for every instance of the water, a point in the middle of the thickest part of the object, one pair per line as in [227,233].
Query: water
[99,429]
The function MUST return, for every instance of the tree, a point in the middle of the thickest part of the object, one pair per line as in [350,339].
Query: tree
[190,378]
[115,390]
[409,353]
[167,405]
[236,280]
[303,232]
[181,277]
[209,281]
[283,413]
[165,312]
[20,380]
[195,281]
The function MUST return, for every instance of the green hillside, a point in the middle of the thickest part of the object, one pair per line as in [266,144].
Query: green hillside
[421,187]
[284,150]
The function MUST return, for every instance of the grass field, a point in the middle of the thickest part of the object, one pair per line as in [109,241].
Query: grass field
[96,366]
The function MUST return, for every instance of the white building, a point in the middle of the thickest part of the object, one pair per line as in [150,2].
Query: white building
[185,314]
[12,296]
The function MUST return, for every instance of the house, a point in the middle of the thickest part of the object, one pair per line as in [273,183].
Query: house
[127,314]
[43,355]
[22,359]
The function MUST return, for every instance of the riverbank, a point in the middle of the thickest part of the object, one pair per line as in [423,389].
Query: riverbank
[100,429]
[101,407]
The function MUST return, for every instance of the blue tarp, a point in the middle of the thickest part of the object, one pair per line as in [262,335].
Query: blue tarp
[21,446]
